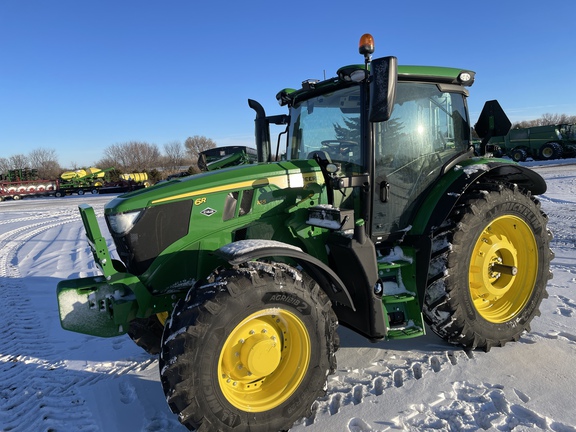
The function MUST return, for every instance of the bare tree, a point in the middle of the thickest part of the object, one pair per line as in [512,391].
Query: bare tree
[553,119]
[174,157]
[133,156]
[196,144]
[4,166]
[18,161]
[45,162]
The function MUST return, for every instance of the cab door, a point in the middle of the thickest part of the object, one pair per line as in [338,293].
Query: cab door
[428,127]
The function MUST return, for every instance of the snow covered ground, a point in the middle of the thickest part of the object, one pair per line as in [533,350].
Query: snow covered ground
[53,380]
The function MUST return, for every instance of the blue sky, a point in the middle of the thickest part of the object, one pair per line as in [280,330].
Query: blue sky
[77,76]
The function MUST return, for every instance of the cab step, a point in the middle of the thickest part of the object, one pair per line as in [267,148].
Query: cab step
[403,315]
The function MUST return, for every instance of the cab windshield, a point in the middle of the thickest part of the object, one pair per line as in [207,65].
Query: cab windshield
[331,124]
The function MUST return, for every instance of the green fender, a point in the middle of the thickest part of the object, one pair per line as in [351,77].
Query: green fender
[445,193]
[248,250]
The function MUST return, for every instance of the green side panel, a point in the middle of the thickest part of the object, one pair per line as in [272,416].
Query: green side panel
[285,174]
[265,201]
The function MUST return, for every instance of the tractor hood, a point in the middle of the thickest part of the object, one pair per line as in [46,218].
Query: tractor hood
[286,174]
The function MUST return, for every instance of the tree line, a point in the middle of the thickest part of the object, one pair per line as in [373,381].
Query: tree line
[128,157]
[546,119]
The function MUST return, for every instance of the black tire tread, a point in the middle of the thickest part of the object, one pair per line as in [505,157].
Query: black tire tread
[442,310]
[147,333]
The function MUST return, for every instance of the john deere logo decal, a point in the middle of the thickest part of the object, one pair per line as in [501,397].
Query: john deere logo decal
[208,211]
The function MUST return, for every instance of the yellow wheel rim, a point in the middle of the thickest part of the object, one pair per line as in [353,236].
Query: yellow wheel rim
[503,269]
[162,317]
[264,360]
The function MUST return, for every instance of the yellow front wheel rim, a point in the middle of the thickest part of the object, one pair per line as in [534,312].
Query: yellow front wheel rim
[503,269]
[264,360]
[162,317]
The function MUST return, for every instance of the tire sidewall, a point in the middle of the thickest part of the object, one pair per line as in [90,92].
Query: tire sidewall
[460,268]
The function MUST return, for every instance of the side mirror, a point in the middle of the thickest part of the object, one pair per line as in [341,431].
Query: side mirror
[383,78]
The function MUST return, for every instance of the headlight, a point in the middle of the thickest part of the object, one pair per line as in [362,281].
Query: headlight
[466,78]
[121,223]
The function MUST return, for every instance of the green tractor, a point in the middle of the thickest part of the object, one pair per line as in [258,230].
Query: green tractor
[380,217]
[538,142]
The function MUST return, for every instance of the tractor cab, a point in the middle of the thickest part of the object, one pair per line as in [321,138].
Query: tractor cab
[382,134]
[397,159]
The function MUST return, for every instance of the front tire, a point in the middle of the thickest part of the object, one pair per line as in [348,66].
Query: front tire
[147,332]
[489,268]
[518,155]
[248,351]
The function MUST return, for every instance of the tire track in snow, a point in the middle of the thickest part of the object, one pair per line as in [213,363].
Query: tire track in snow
[38,391]
[351,387]
[563,226]
[462,405]
[35,386]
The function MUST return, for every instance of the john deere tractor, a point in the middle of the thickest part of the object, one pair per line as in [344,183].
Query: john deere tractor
[380,217]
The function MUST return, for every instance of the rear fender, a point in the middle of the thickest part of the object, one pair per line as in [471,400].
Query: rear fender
[445,194]
[243,251]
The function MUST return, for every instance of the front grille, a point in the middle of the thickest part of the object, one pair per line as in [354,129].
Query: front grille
[156,229]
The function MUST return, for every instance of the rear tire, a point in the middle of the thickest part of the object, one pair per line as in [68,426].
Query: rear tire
[489,268]
[549,151]
[248,351]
